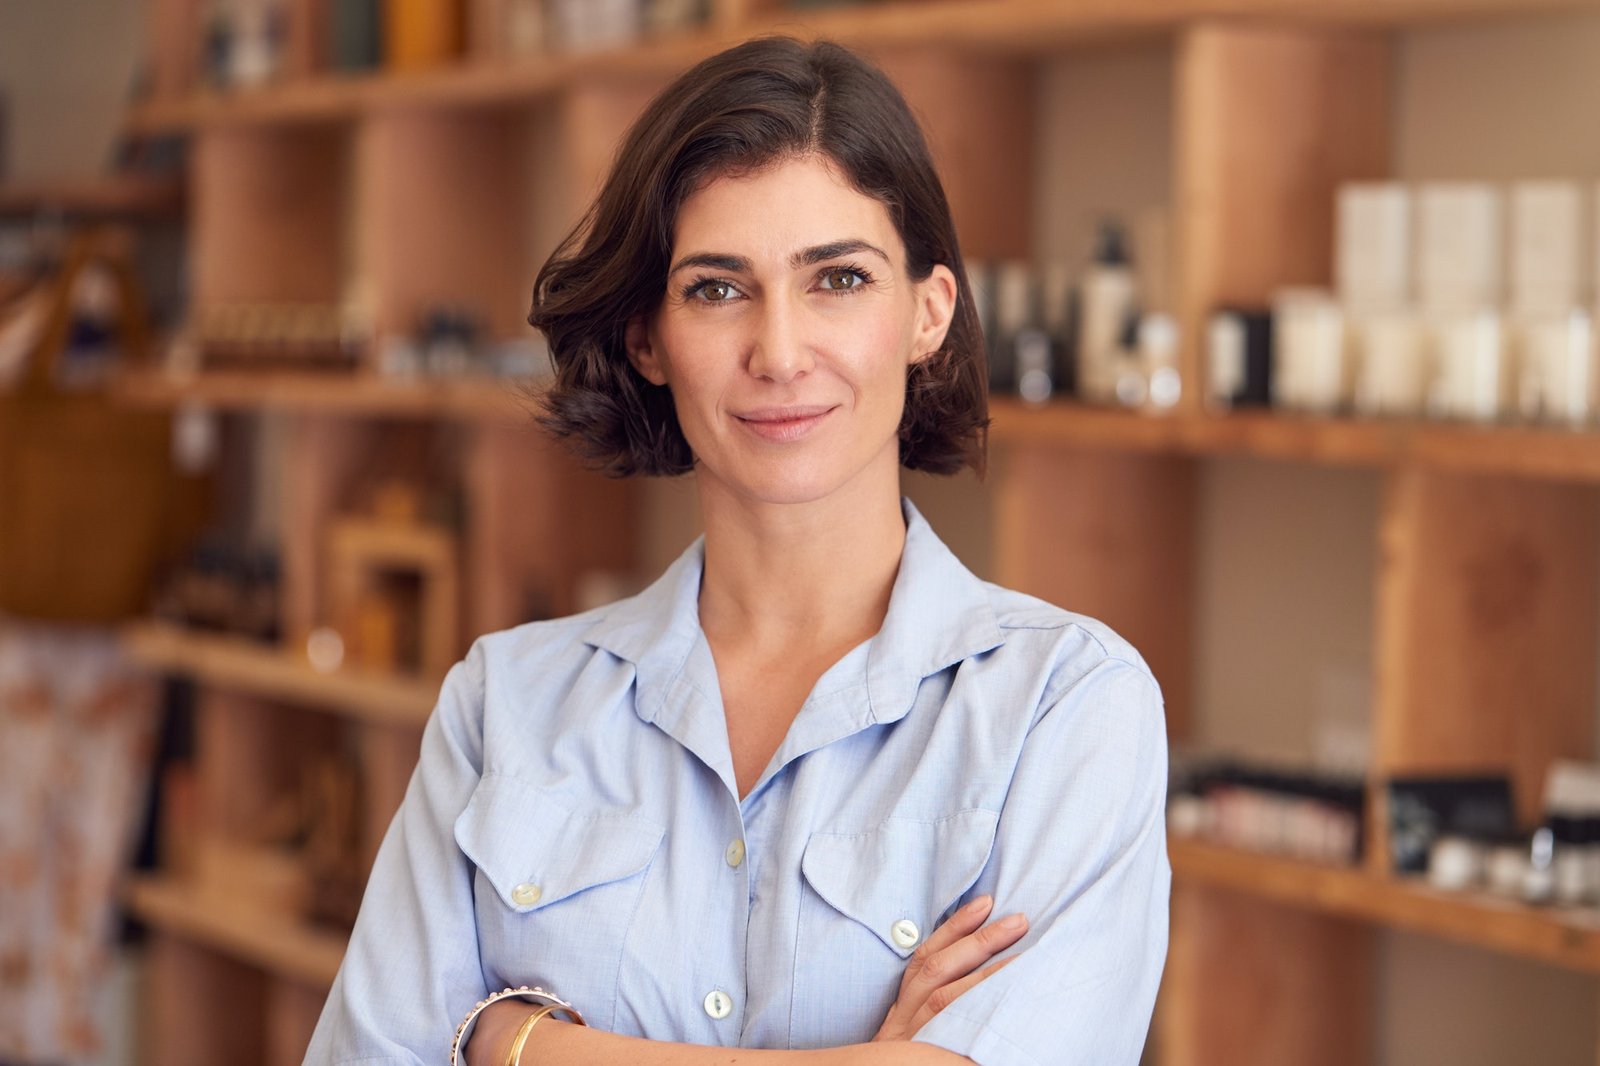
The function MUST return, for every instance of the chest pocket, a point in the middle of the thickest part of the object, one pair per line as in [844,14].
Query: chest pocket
[872,898]
[555,890]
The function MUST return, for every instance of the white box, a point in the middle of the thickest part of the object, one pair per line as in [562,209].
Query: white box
[1458,246]
[1372,264]
[1547,237]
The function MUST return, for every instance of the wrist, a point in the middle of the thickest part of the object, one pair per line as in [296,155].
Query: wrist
[490,1042]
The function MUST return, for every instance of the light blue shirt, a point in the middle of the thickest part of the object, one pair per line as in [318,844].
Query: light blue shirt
[574,823]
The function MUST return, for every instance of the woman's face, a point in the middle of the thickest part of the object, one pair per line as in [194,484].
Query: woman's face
[786,332]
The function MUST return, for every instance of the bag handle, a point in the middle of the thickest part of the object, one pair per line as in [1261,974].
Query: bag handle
[87,246]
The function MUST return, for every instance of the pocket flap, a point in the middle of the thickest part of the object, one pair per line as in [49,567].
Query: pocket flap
[535,852]
[902,871]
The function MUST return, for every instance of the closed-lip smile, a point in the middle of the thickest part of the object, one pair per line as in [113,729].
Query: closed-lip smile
[783,425]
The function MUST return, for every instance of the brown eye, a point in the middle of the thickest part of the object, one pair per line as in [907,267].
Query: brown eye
[716,291]
[841,280]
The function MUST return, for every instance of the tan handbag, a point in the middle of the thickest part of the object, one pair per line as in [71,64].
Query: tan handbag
[90,502]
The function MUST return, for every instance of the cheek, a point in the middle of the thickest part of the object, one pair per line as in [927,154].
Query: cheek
[875,352]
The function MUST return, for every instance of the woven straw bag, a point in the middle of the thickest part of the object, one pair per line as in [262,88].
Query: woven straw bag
[90,502]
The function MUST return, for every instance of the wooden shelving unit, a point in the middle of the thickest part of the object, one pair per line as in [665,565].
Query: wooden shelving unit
[361,396]
[452,186]
[1026,28]
[1522,451]
[1568,937]
[275,674]
[120,197]
[241,928]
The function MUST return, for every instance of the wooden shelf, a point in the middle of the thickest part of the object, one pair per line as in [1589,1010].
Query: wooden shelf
[1025,27]
[245,666]
[465,399]
[1535,452]
[278,943]
[1567,937]
[118,197]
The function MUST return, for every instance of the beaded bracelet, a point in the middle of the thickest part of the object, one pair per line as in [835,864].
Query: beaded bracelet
[535,993]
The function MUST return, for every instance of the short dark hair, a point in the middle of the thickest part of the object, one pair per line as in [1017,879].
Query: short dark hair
[756,104]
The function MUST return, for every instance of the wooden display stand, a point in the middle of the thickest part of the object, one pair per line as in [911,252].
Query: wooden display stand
[454,186]
[361,553]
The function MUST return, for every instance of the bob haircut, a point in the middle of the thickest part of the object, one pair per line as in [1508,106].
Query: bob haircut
[757,104]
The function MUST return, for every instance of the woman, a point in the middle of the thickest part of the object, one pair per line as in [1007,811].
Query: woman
[773,801]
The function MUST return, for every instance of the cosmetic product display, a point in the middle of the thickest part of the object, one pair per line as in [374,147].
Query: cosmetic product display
[1393,373]
[1035,364]
[675,16]
[1372,266]
[1051,331]
[266,337]
[1572,818]
[1058,314]
[1012,285]
[591,25]
[1469,376]
[244,43]
[1456,863]
[1459,834]
[1545,255]
[1424,809]
[355,35]
[1309,370]
[1158,354]
[1106,306]
[1554,356]
[419,36]
[1307,815]
[1459,255]
[223,587]
[1239,359]
[1453,300]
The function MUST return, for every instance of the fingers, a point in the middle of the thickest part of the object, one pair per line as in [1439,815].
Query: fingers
[954,928]
[945,995]
[950,964]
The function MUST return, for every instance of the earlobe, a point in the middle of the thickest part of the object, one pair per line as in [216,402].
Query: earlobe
[636,340]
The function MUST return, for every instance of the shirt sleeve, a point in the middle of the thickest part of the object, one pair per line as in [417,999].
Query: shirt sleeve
[412,970]
[1081,850]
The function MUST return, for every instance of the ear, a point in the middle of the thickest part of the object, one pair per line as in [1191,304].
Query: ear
[936,308]
[641,353]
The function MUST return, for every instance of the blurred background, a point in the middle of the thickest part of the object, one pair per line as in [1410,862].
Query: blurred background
[1290,313]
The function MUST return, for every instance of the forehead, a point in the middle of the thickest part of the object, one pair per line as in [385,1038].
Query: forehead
[773,211]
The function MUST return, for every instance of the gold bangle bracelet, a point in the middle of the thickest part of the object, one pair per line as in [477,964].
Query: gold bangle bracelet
[514,1056]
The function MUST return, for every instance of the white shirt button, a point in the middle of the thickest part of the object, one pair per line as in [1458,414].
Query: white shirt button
[526,894]
[905,933]
[719,1004]
[735,853]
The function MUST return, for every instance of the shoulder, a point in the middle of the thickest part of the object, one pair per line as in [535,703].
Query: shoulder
[1068,650]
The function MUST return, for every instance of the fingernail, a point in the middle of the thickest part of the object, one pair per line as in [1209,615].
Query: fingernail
[979,903]
[1013,922]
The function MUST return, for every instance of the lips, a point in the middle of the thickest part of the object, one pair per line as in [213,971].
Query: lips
[783,424]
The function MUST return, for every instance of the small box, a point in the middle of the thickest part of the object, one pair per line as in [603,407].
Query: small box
[1547,247]
[1458,246]
[1372,271]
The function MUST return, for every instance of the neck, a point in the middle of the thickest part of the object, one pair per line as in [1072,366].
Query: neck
[816,574]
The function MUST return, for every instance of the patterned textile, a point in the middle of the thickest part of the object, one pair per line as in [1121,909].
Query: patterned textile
[76,736]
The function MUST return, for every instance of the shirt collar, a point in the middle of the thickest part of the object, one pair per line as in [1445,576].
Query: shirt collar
[939,614]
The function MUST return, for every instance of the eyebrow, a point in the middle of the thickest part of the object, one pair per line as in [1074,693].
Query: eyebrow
[819,253]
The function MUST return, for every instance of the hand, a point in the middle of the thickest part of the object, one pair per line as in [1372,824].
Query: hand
[942,968]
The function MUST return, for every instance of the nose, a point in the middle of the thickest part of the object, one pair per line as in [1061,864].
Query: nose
[778,349]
